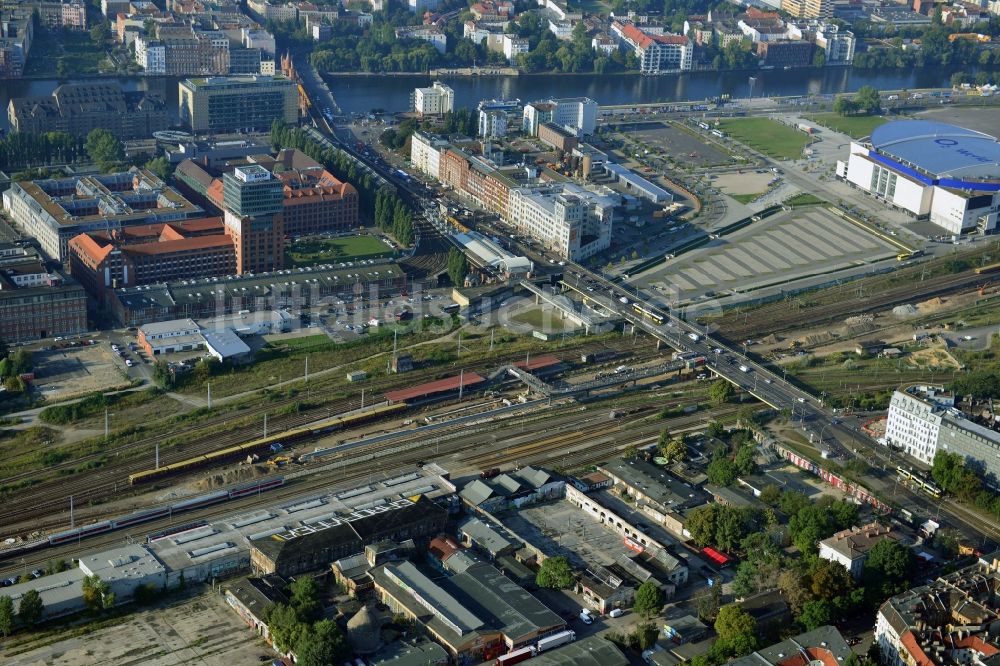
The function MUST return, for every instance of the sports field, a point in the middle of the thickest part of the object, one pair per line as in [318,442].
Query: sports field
[855,127]
[312,251]
[768,136]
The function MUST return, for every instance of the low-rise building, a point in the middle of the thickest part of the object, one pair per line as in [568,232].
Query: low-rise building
[557,137]
[850,547]
[823,645]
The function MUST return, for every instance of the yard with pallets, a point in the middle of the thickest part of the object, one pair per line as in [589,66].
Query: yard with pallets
[767,136]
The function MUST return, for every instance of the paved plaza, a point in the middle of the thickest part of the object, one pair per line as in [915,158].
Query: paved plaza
[782,248]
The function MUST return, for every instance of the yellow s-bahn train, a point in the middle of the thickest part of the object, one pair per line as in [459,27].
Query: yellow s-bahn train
[649,314]
[264,443]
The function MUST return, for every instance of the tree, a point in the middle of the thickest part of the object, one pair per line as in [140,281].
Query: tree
[715,429]
[816,613]
[736,628]
[888,568]
[160,166]
[819,58]
[30,609]
[709,603]
[828,580]
[648,600]
[97,594]
[304,598]
[323,644]
[458,267]
[674,450]
[721,471]
[555,573]
[105,149]
[721,392]
[6,615]
[285,628]
[745,461]
[100,33]
[795,592]
[770,494]
[868,100]
[844,106]
[162,375]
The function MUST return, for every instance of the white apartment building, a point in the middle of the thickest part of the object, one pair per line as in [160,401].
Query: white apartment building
[434,101]
[151,55]
[579,114]
[418,7]
[492,123]
[568,220]
[850,547]
[658,54]
[425,153]
[924,419]
[513,46]
[838,44]
[563,30]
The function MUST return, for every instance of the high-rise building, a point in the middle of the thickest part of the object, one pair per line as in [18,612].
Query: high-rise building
[808,8]
[237,103]
[253,201]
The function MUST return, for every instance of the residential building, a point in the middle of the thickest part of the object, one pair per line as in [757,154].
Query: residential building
[418,7]
[808,8]
[55,210]
[425,153]
[493,10]
[185,51]
[112,8]
[492,123]
[569,221]
[923,420]
[16,33]
[436,100]
[950,620]
[78,108]
[514,46]
[576,113]
[237,103]
[726,33]
[931,170]
[838,44]
[563,30]
[70,14]
[476,178]
[850,547]
[37,301]
[821,646]
[431,33]
[152,253]
[254,202]
[657,54]
[604,44]
[785,54]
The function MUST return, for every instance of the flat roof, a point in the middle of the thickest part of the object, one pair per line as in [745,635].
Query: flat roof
[637,181]
[589,651]
[518,613]
[538,362]
[433,597]
[655,483]
[939,148]
[468,380]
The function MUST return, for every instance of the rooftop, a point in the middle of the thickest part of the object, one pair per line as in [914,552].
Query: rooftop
[467,380]
[939,149]
[857,541]
[589,651]
[658,485]
[823,646]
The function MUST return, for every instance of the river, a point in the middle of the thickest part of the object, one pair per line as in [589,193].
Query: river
[355,93]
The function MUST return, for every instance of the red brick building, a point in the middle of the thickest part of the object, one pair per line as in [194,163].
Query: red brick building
[150,254]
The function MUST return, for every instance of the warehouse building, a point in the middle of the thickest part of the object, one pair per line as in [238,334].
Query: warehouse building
[923,420]
[55,210]
[79,108]
[930,170]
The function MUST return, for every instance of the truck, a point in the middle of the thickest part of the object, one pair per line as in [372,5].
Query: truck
[808,129]
[691,363]
[515,657]
[555,640]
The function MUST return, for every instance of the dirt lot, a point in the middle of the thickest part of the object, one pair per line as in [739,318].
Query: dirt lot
[201,631]
[683,146]
[748,182]
[64,373]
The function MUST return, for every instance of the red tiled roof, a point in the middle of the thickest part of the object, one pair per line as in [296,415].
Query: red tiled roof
[917,653]
[536,363]
[644,40]
[440,386]
[180,245]
[977,644]
[90,247]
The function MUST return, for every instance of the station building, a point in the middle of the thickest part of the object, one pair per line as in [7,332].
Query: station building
[931,170]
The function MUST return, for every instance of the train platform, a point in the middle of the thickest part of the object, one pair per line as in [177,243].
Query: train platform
[465,382]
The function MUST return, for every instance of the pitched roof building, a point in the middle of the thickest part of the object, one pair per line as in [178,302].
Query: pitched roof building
[851,547]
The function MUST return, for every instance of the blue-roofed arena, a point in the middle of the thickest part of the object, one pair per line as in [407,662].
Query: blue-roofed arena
[931,170]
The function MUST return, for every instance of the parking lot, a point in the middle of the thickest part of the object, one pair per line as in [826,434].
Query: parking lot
[202,630]
[682,145]
[780,248]
[74,371]
[560,528]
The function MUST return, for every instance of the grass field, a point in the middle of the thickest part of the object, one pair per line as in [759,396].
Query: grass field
[309,252]
[768,136]
[745,198]
[853,126]
[804,199]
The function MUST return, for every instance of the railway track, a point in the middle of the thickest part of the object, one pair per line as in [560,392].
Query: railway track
[778,317]
[52,495]
[389,457]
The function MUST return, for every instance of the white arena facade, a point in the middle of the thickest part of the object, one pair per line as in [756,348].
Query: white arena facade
[944,173]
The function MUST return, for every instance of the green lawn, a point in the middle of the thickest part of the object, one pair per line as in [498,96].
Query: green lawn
[855,127]
[804,199]
[309,252]
[768,136]
[745,198]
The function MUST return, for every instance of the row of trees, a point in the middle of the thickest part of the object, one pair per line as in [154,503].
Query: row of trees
[297,627]
[393,216]
[21,150]
[345,168]
[97,596]
[866,102]
[957,477]
[458,267]
[935,50]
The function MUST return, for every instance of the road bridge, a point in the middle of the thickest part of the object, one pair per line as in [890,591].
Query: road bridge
[571,310]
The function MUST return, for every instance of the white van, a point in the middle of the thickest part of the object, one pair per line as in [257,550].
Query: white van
[585,618]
